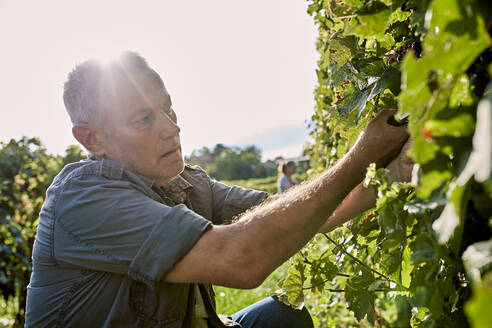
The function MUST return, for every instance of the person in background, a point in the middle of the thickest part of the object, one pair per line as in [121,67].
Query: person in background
[285,172]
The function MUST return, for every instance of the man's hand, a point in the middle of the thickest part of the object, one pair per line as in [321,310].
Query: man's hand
[360,199]
[380,142]
[400,169]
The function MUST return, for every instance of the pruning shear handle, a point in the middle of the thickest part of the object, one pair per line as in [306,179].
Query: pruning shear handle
[398,119]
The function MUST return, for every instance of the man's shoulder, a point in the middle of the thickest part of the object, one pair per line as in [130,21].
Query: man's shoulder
[77,169]
[96,170]
[96,184]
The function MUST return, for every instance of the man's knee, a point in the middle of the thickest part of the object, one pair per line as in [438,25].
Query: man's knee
[270,312]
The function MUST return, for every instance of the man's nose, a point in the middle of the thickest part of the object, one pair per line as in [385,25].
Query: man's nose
[168,127]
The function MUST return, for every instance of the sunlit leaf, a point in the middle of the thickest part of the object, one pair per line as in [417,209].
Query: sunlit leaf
[452,215]
[478,307]
[359,298]
[477,259]
[480,161]
[292,293]
[423,250]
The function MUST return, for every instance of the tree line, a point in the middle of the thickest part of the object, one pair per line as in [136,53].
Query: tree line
[233,163]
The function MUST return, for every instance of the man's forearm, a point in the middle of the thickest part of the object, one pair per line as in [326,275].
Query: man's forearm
[359,200]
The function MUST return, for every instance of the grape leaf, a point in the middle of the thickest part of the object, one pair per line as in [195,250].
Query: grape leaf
[462,125]
[336,9]
[359,298]
[477,259]
[480,161]
[340,50]
[457,35]
[404,311]
[452,215]
[373,17]
[399,16]
[372,66]
[461,95]
[478,307]
[432,175]
[423,249]
[357,101]
[292,293]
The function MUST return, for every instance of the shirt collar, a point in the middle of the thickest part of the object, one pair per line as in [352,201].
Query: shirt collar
[177,189]
[114,170]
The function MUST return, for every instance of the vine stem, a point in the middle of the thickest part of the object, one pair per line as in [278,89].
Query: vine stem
[356,259]
[319,284]
[326,280]
[432,100]
[343,290]
[319,258]
[347,16]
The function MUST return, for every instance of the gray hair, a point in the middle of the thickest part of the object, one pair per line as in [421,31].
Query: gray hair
[86,84]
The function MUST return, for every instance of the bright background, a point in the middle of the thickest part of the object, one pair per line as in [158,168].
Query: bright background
[239,72]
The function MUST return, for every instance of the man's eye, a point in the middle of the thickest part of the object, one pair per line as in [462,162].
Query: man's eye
[171,114]
[143,120]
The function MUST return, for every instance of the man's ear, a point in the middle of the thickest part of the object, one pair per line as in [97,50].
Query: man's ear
[90,137]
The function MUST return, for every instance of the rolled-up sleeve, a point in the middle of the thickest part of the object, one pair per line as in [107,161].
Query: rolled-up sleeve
[230,202]
[111,226]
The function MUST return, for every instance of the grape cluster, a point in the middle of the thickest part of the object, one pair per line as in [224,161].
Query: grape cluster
[398,54]
[339,98]
[408,6]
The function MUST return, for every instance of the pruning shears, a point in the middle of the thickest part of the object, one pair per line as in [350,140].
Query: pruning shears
[398,119]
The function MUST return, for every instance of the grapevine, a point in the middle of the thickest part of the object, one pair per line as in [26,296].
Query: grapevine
[422,257]
[26,171]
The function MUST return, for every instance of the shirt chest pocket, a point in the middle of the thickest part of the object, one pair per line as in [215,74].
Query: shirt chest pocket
[160,306]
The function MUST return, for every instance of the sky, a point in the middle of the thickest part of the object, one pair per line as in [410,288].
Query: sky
[239,72]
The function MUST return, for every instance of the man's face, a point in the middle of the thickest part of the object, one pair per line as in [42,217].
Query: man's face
[141,130]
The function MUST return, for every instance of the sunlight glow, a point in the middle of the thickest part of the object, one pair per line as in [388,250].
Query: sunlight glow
[107,54]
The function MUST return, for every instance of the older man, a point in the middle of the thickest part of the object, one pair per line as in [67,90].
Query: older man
[132,237]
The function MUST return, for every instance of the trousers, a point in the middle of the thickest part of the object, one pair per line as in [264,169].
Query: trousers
[270,312]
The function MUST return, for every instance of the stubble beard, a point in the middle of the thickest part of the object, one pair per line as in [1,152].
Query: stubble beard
[159,176]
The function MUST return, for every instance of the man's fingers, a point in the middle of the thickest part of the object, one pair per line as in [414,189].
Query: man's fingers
[389,111]
[400,169]
[380,142]
[386,113]
[387,116]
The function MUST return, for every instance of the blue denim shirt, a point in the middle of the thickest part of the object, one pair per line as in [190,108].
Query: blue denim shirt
[106,238]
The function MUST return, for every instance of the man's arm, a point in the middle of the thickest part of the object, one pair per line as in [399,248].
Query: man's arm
[361,199]
[243,254]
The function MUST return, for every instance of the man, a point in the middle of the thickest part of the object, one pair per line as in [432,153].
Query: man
[134,238]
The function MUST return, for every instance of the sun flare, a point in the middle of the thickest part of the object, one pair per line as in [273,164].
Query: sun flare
[106,54]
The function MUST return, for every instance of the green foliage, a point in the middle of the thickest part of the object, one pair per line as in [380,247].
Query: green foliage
[401,264]
[480,304]
[232,163]
[292,292]
[268,184]
[26,171]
